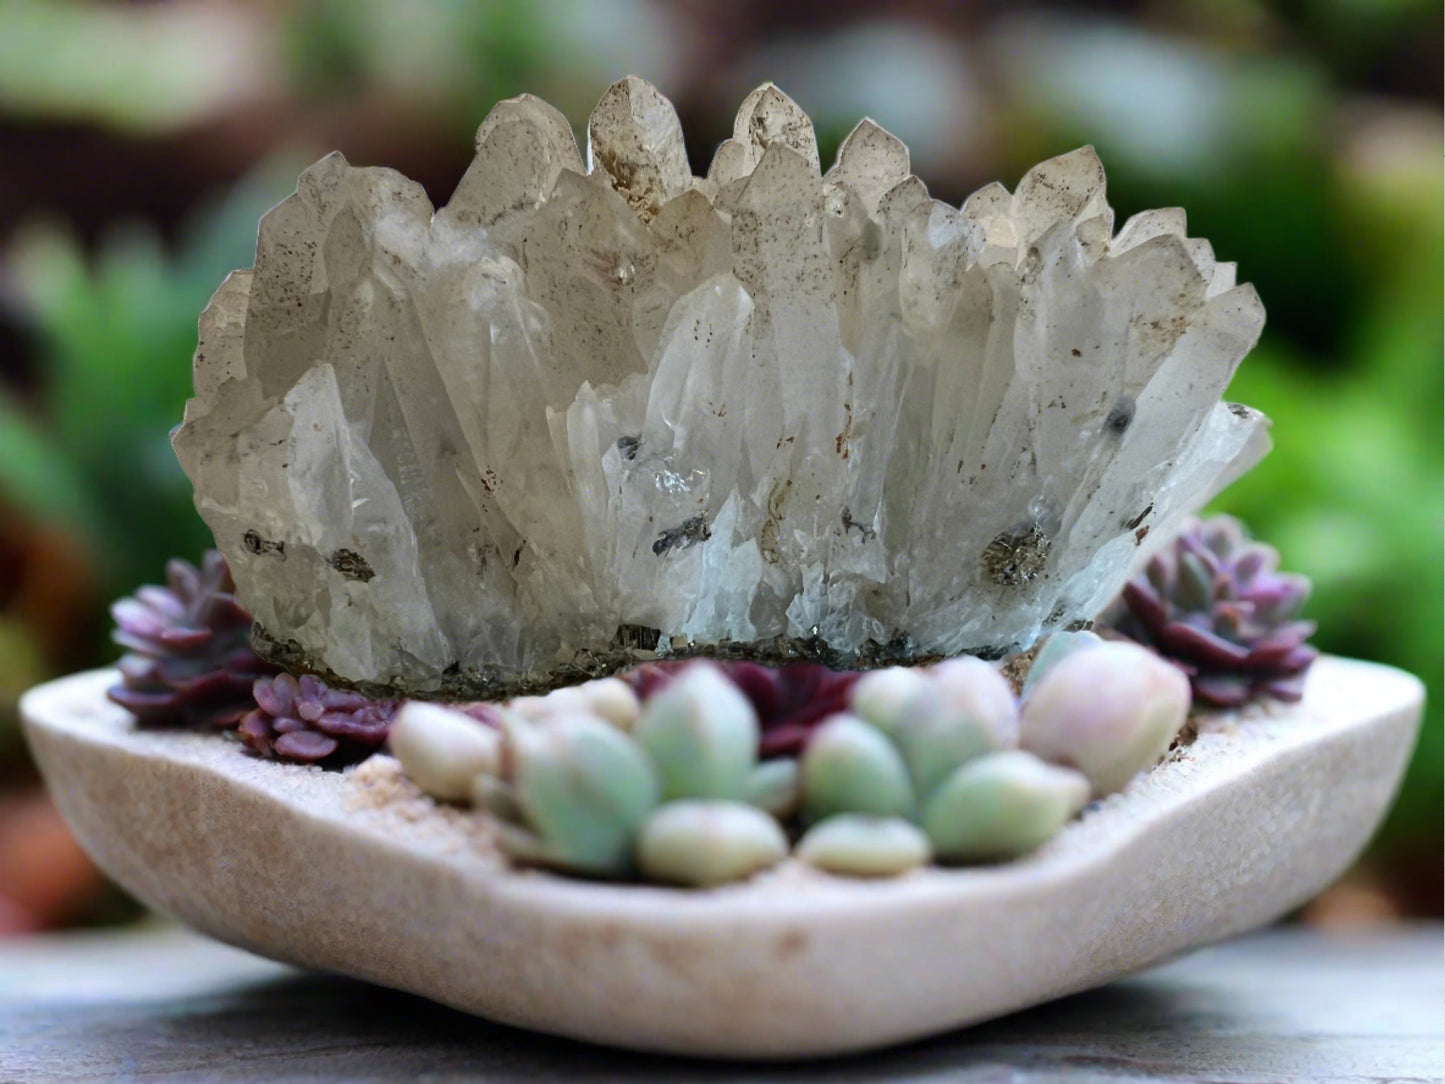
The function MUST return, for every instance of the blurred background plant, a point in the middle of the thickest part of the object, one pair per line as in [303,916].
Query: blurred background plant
[139,142]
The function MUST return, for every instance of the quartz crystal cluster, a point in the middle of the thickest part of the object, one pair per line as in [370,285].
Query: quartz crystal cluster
[594,412]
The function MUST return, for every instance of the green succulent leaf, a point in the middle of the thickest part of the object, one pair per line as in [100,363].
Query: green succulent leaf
[850,766]
[584,789]
[707,843]
[855,845]
[773,786]
[702,734]
[1001,806]
[1055,649]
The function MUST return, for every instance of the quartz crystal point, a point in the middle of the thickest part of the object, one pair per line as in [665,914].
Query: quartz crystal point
[585,415]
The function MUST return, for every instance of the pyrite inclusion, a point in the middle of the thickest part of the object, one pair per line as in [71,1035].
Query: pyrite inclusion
[583,415]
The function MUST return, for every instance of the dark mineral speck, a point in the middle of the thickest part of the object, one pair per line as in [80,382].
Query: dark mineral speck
[639,637]
[352,565]
[683,535]
[1016,557]
[254,543]
[1120,415]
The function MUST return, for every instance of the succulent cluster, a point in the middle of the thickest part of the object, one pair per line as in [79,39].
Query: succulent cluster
[305,720]
[592,781]
[1216,605]
[188,658]
[922,764]
[189,662]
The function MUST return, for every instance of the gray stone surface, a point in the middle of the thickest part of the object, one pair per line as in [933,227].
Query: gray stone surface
[1283,1006]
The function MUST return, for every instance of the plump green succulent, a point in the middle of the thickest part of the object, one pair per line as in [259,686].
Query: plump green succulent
[444,750]
[1001,805]
[851,766]
[581,790]
[969,710]
[773,786]
[609,698]
[1110,710]
[700,843]
[585,783]
[859,845]
[702,735]
[1216,605]
[1054,650]
[935,751]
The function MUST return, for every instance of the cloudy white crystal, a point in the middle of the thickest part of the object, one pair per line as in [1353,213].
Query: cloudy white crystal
[582,415]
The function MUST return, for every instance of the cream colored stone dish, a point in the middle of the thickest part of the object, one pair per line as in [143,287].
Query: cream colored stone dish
[356,872]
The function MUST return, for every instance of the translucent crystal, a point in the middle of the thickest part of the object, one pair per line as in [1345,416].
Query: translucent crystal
[582,416]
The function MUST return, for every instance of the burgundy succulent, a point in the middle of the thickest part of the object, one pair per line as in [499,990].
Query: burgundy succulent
[790,700]
[188,658]
[304,719]
[1216,605]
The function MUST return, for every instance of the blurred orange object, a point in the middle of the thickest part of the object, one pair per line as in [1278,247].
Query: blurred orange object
[47,584]
[1363,898]
[45,878]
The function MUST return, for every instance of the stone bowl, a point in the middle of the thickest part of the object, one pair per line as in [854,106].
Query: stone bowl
[357,873]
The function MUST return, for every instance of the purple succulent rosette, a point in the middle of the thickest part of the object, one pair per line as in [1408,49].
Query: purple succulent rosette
[790,700]
[1216,605]
[305,720]
[188,658]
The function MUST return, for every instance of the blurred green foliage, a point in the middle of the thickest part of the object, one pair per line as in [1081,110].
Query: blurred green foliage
[1354,492]
[136,71]
[449,51]
[454,58]
[21,665]
[117,333]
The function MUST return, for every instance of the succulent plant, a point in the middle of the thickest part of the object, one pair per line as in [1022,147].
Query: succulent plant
[790,701]
[444,749]
[1055,649]
[305,720]
[609,698]
[937,748]
[773,786]
[585,783]
[578,790]
[857,845]
[188,658]
[1109,710]
[882,697]
[706,843]
[851,766]
[702,735]
[1216,605]
[1000,806]
[969,710]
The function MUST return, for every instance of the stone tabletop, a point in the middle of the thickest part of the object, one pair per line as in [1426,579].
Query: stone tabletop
[161,1004]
